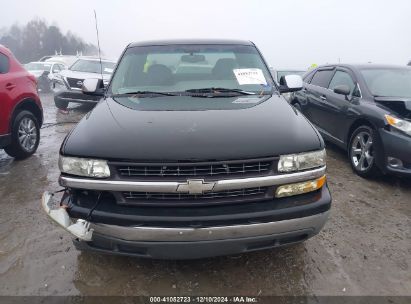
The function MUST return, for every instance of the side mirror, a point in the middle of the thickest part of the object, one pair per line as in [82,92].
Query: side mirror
[93,86]
[342,89]
[290,83]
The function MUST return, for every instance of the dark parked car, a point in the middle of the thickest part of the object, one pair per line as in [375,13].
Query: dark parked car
[365,109]
[191,162]
[21,113]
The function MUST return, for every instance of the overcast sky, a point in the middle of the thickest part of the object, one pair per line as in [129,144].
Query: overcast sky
[289,33]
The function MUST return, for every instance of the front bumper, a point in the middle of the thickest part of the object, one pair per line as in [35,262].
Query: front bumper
[396,145]
[147,236]
[66,95]
[175,244]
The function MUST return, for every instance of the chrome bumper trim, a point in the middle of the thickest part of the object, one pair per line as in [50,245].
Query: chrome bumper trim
[313,223]
[172,187]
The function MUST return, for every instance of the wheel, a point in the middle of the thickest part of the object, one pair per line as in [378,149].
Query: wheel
[362,153]
[25,136]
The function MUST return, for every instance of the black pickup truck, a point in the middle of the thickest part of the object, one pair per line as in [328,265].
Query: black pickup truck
[191,153]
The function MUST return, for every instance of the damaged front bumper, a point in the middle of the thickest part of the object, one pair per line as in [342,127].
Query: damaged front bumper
[397,146]
[185,242]
[80,229]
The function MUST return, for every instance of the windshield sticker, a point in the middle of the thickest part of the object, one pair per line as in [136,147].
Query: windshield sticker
[108,70]
[247,100]
[249,76]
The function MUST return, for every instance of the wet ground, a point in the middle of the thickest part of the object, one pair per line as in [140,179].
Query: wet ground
[364,249]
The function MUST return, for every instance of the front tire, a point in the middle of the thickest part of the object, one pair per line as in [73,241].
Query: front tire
[362,153]
[25,136]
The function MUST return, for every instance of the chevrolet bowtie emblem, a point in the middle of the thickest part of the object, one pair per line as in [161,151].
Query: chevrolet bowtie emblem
[195,186]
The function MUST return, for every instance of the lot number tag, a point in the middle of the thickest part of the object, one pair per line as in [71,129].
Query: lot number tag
[249,76]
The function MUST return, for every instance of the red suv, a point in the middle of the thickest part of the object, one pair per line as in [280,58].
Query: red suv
[21,113]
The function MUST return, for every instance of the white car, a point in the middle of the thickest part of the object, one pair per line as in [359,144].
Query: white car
[44,72]
[67,85]
[67,60]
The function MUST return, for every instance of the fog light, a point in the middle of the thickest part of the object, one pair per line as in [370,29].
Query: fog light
[300,188]
[395,162]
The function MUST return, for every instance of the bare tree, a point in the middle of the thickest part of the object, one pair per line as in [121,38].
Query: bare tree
[37,39]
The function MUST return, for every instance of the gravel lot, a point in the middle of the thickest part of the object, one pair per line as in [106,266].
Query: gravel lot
[364,249]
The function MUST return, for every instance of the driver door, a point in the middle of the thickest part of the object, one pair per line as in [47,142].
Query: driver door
[337,115]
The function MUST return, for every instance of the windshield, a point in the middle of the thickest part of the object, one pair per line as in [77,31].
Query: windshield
[37,66]
[389,82]
[182,68]
[92,66]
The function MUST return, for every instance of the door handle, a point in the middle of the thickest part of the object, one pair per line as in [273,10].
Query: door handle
[323,98]
[10,86]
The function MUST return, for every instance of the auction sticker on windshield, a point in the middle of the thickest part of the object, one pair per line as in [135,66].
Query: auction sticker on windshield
[249,76]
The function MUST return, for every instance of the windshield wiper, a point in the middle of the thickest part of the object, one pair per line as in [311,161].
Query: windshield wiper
[219,90]
[144,93]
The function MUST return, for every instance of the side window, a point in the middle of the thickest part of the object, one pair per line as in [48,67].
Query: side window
[4,64]
[322,78]
[357,91]
[56,68]
[307,77]
[342,78]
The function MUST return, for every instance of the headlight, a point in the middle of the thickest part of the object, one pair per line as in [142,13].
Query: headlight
[301,161]
[300,188]
[84,166]
[400,124]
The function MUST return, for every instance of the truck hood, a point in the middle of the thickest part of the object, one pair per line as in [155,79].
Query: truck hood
[400,105]
[191,128]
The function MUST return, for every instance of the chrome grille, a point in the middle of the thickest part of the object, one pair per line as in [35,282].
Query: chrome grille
[75,82]
[255,168]
[142,196]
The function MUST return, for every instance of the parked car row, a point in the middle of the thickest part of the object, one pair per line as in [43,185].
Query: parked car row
[67,85]
[44,71]
[21,114]
[63,75]
[47,68]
